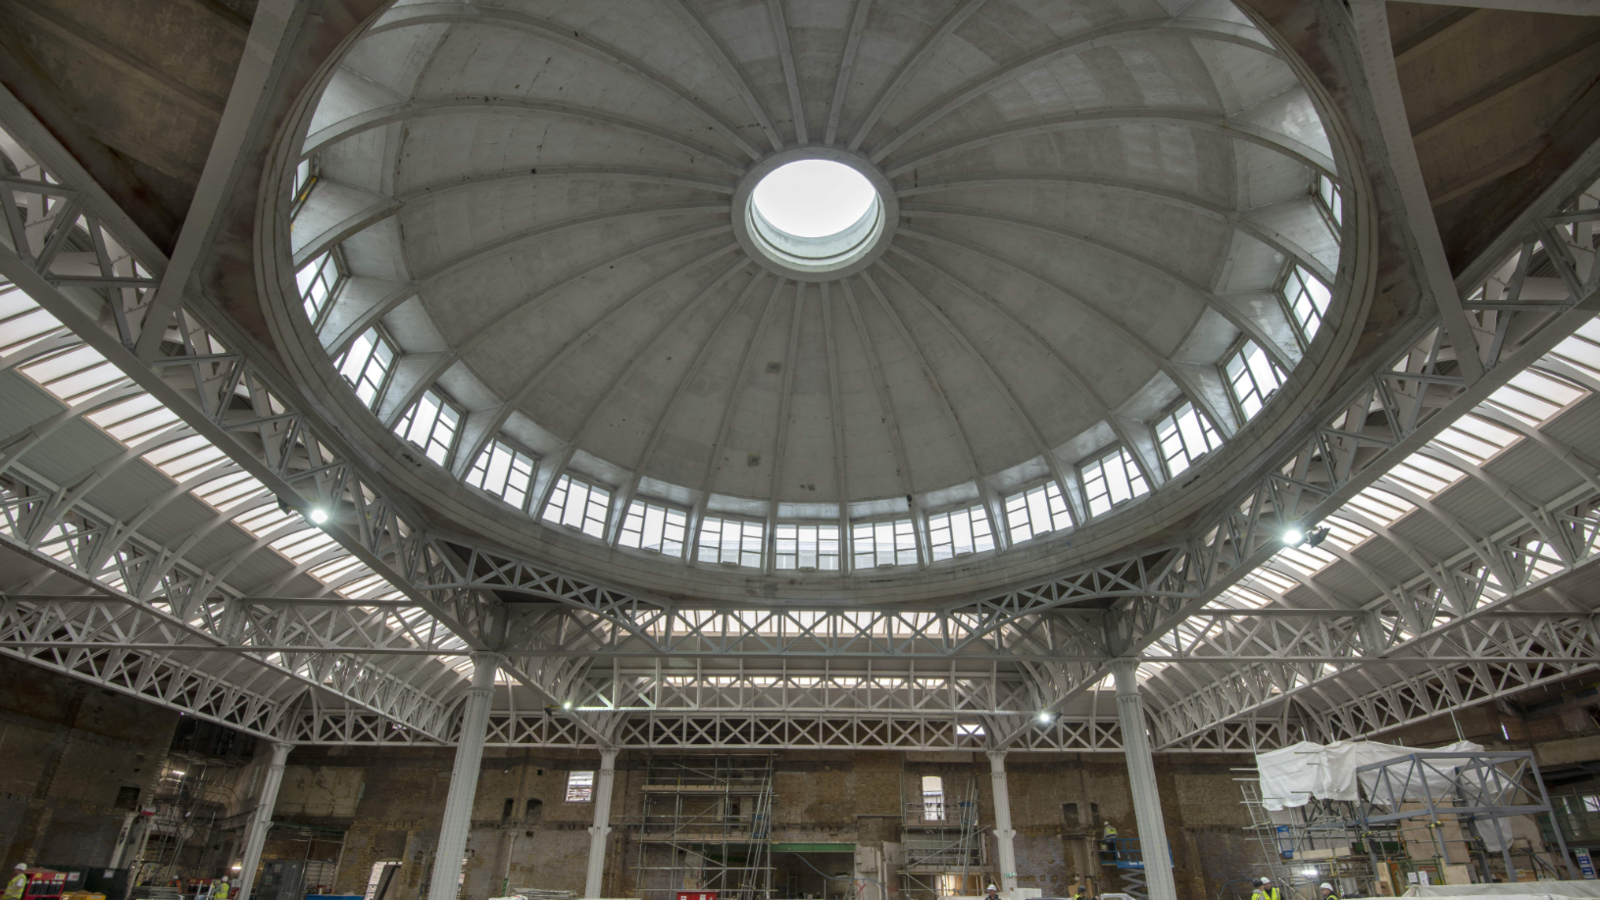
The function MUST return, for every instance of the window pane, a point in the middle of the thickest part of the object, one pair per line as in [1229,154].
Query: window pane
[731,542]
[578,505]
[1038,510]
[503,471]
[806,547]
[658,529]
[1111,480]
[884,544]
[959,533]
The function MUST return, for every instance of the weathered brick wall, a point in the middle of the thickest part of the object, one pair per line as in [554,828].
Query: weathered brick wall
[68,749]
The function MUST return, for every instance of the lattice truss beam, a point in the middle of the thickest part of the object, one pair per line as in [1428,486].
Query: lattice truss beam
[218,596]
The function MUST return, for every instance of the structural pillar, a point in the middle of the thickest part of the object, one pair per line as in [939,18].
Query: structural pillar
[255,834]
[445,884]
[1153,847]
[1005,835]
[602,822]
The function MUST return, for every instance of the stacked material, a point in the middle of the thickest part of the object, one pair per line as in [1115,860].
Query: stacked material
[1292,776]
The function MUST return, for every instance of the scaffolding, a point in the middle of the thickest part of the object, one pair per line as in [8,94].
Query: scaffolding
[1361,845]
[706,826]
[942,844]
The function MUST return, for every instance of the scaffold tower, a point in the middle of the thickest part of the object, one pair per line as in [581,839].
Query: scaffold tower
[706,825]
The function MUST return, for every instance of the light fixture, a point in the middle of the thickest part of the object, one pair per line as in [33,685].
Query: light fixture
[1316,536]
[1293,536]
[179,772]
[318,515]
[566,704]
[1045,717]
[1309,873]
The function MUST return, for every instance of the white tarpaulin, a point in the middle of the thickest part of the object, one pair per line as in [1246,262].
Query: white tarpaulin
[1292,776]
[1541,889]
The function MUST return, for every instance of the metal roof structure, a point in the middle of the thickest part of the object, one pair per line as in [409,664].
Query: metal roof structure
[225,524]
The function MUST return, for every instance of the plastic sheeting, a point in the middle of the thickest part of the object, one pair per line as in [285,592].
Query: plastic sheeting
[1292,776]
[1543,890]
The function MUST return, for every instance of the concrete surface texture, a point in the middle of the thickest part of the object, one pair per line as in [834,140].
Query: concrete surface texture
[536,203]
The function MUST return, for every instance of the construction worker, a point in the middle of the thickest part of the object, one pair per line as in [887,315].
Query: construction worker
[1328,893]
[220,892]
[1108,838]
[1265,891]
[991,893]
[18,885]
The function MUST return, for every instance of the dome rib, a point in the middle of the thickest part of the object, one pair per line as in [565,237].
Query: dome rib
[780,34]
[714,458]
[451,13]
[443,106]
[733,71]
[648,176]
[1211,300]
[881,389]
[1180,378]
[1087,40]
[951,22]
[1199,120]
[847,62]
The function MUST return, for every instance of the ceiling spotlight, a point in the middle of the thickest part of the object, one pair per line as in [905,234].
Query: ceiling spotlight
[1046,717]
[1316,536]
[566,704]
[1293,536]
[318,515]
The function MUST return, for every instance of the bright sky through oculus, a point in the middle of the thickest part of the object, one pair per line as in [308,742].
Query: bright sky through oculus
[813,197]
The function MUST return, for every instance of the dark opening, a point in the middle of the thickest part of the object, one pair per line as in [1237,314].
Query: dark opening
[509,810]
[127,797]
[1069,814]
[535,810]
[1094,812]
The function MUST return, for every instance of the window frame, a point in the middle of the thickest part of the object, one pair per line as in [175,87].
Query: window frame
[1045,488]
[1207,427]
[516,451]
[583,790]
[1131,475]
[1332,209]
[744,541]
[894,522]
[583,520]
[446,405]
[300,191]
[667,511]
[938,806]
[335,257]
[1304,284]
[839,554]
[949,524]
[1238,353]
[381,339]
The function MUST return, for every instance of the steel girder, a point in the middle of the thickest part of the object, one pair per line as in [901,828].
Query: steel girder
[219,394]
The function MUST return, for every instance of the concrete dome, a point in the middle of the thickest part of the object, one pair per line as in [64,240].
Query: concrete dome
[1087,210]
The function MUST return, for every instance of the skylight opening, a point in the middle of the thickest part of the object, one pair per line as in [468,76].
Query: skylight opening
[365,366]
[318,280]
[1308,299]
[1332,199]
[1253,377]
[813,198]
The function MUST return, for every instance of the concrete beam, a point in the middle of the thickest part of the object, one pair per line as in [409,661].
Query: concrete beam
[1383,81]
[261,61]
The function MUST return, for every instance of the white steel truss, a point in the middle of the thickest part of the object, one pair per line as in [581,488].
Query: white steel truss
[364,640]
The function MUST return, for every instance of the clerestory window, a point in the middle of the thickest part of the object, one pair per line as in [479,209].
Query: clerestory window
[959,533]
[883,544]
[654,528]
[731,542]
[1035,511]
[578,505]
[1185,436]
[503,471]
[1112,480]
[365,366]
[806,548]
[431,424]
[1253,377]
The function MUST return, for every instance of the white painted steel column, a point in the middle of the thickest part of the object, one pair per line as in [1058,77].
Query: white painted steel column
[1142,779]
[1004,834]
[603,780]
[445,883]
[255,835]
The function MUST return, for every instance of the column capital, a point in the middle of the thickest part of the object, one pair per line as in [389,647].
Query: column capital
[997,759]
[608,757]
[485,665]
[1126,673]
[280,752]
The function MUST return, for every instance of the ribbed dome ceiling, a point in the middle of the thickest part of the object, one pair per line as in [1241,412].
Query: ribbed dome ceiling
[1096,203]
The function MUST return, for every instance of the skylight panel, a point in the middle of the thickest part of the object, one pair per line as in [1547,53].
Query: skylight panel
[1424,474]
[1380,505]
[1035,511]
[1112,480]
[1185,436]
[1533,397]
[578,505]
[184,457]
[806,547]
[74,374]
[731,542]
[883,544]
[229,489]
[503,471]
[1474,438]
[134,419]
[365,366]
[1253,377]
[431,424]
[960,532]
[21,320]
[318,280]
[654,528]
[1308,299]
[1582,348]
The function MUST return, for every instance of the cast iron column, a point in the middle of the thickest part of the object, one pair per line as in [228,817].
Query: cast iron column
[602,822]
[1142,779]
[255,835]
[446,881]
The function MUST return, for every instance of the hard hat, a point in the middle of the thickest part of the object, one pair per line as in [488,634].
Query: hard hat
[992,888]
[1325,886]
[20,866]
[1265,880]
